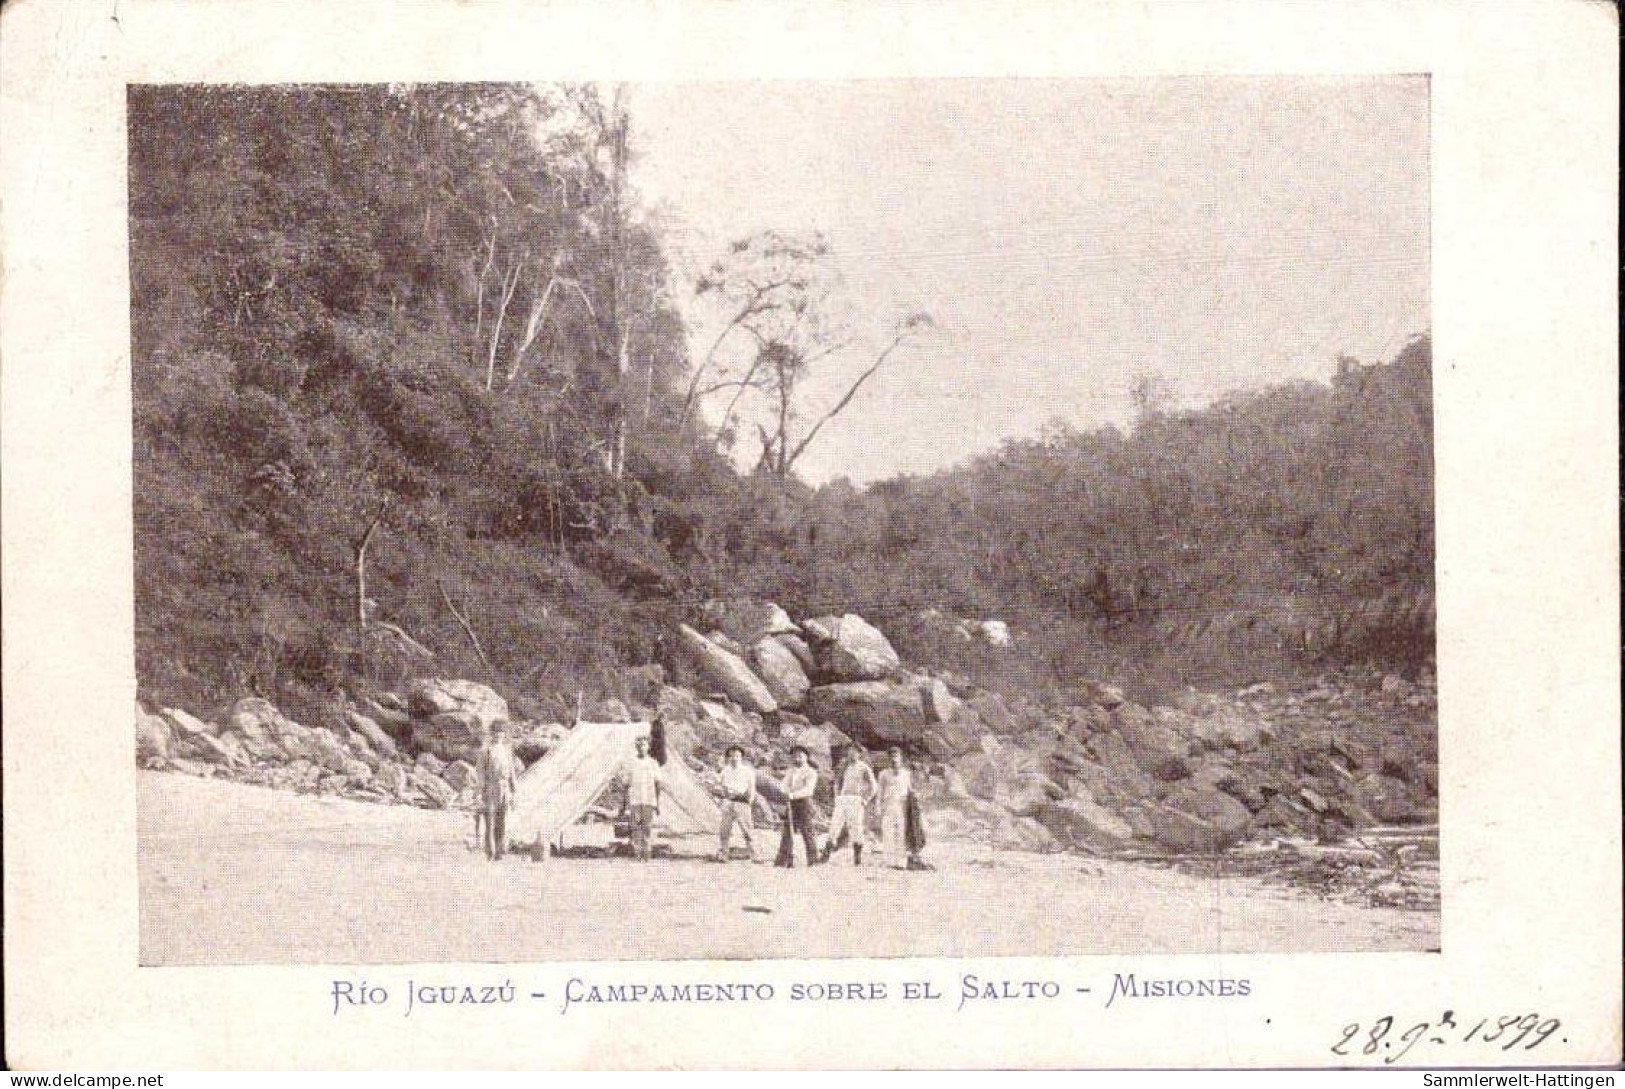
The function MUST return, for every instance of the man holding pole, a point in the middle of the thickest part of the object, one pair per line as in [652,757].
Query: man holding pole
[799,784]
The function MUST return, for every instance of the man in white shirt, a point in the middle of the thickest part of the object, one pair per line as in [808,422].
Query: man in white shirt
[855,788]
[497,777]
[642,777]
[799,784]
[896,783]
[738,796]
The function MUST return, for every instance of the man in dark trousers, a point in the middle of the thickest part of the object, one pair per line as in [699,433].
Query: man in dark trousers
[799,784]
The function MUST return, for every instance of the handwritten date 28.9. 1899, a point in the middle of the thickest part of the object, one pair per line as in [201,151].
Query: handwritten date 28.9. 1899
[1505,1033]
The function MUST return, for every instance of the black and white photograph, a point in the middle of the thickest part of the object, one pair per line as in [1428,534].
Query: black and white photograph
[763,520]
[730,537]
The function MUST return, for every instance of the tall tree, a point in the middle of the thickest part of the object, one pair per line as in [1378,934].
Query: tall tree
[781,306]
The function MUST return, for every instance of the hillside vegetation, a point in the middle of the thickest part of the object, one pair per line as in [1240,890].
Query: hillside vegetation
[430,328]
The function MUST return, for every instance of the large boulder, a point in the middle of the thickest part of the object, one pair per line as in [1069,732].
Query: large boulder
[450,735]
[1016,833]
[1156,746]
[1118,759]
[459,775]
[256,718]
[380,742]
[1225,728]
[939,704]
[994,713]
[1388,799]
[1080,821]
[719,725]
[796,645]
[392,778]
[875,713]
[785,679]
[849,648]
[1198,818]
[328,751]
[961,734]
[727,671]
[151,737]
[1009,777]
[185,726]
[433,696]
[996,633]
[747,621]
[394,721]
[432,787]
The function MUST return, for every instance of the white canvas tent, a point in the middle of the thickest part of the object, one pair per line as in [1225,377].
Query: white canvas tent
[559,788]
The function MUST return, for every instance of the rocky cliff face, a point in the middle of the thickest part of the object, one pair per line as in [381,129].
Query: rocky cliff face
[1102,774]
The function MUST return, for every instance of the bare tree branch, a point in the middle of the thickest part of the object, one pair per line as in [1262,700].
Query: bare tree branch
[902,334]
[467,628]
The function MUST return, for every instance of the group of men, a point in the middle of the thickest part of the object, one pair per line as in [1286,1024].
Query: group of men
[857,788]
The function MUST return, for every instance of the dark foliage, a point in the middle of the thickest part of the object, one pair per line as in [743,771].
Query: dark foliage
[400,304]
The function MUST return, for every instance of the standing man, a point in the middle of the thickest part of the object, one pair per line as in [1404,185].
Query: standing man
[855,789]
[799,784]
[738,798]
[896,784]
[642,796]
[498,777]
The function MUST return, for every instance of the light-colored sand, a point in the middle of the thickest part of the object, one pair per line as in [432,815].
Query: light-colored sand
[235,874]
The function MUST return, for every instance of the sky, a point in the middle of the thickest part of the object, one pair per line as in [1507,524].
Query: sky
[1068,236]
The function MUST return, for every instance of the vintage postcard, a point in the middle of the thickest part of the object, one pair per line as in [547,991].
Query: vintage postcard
[811,536]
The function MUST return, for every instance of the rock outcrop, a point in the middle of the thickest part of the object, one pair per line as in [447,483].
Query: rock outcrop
[781,672]
[874,713]
[849,648]
[727,671]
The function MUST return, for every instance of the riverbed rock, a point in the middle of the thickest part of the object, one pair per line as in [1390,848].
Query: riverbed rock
[1009,777]
[938,703]
[450,735]
[991,709]
[151,737]
[256,718]
[779,670]
[727,672]
[459,775]
[1198,819]
[380,742]
[849,648]
[747,621]
[876,714]
[429,697]
[186,726]
[435,789]
[1080,821]
[1156,746]
[392,778]
[961,734]
[796,645]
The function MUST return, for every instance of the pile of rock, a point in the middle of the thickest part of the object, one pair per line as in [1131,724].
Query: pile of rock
[1101,773]
[418,749]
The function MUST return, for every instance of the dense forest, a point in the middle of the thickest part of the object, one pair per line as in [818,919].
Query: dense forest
[412,378]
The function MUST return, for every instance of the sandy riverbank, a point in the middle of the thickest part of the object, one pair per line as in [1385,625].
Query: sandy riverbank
[236,874]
